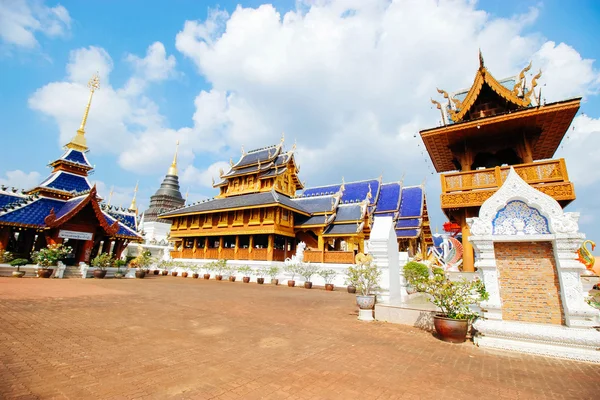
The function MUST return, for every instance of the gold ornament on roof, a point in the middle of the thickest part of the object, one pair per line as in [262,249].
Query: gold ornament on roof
[79,142]
[110,196]
[243,152]
[173,168]
[133,205]
[533,86]
[519,84]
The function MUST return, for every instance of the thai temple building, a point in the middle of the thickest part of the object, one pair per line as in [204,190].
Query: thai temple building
[156,230]
[65,208]
[263,211]
[489,128]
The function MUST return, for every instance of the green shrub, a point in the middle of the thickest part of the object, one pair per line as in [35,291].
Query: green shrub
[19,262]
[414,272]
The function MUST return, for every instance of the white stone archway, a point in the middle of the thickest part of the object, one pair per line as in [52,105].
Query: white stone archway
[544,241]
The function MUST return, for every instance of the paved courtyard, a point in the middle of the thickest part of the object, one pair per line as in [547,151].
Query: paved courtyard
[167,337]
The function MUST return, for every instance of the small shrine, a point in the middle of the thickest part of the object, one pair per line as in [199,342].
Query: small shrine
[65,208]
[526,249]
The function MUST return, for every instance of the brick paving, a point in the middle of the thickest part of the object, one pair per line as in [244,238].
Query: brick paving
[180,338]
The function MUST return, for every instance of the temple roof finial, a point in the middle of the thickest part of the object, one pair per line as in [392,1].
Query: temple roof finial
[78,142]
[110,195]
[133,205]
[187,193]
[173,168]
[481,63]
[243,151]
[282,137]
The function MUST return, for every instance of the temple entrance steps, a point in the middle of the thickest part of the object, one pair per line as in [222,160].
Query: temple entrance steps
[72,272]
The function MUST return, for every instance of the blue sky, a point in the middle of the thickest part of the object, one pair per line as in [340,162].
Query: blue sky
[352,108]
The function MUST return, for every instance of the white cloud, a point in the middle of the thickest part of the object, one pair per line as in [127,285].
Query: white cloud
[20,20]
[581,150]
[192,176]
[20,179]
[155,67]
[117,115]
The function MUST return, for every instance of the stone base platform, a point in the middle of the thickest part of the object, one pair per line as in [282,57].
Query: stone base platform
[417,311]
[549,340]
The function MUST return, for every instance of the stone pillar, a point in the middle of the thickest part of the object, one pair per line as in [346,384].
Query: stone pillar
[468,255]
[270,245]
[4,237]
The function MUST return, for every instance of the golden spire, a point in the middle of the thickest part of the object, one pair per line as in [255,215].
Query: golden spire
[173,168]
[481,63]
[110,195]
[133,205]
[187,193]
[78,142]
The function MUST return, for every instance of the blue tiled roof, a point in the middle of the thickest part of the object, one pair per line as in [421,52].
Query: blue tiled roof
[127,219]
[357,191]
[411,201]
[6,199]
[350,212]
[315,204]
[67,182]
[389,197]
[407,233]
[321,190]
[408,223]
[341,229]
[33,213]
[76,157]
[69,205]
[262,155]
[123,230]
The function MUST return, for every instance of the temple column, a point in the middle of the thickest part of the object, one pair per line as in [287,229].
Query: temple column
[194,246]
[468,256]
[250,246]
[220,246]
[106,246]
[4,237]
[285,248]
[119,247]
[86,252]
[237,245]
[270,244]
[28,239]
[205,246]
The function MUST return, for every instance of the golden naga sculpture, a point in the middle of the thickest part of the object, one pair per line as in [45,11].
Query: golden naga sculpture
[585,256]
[519,84]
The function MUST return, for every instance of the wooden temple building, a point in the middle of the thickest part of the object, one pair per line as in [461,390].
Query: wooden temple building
[486,129]
[65,208]
[263,211]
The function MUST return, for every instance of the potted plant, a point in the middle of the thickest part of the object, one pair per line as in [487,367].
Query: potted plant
[292,269]
[273,271]
[49,257]
[414,272]
[119,264]
[220,266]
[232,271]
[328,275]
[246,271]
[5,257]
[454,298]
[184,274]
[18,262]
[260,275]
[351,281]
[365,275]
[194,268]
[207,270]
[101,262]
[307,272]
[142,261]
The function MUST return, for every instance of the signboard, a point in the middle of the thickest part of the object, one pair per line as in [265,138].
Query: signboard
[75,235]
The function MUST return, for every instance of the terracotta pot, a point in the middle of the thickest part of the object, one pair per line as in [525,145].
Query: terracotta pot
[246,279]
[45,273]
[329,287]
[165,273]
[291,283]
[147,271]
[275,282]
[118,275]
[206,276]
[99,274]
[365,302]
[351,289]
[195,276]
[232,279]
[155,272]
[174,273]
[451,330]
[219,277]
[184,274]
[18,274]
[260,281]
[307,285]
[140,274]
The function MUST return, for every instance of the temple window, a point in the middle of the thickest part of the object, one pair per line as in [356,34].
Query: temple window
[229,242]
[200,242]
[284,215]
[250,180]
[244,241]
[261,241]
[188,243]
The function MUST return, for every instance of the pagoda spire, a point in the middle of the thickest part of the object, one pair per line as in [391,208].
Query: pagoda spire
[173,168]
[133,205]
[79,142]
[110,196]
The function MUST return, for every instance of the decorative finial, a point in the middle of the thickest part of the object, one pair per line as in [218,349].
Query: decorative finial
[533,85]
[282,137]
[243,152]
[221,172]
[213,180]
[133,205]
[481,63]
[294,146]
[78,142]
[230,162]
[110,195]
[173,168]
[187,193]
